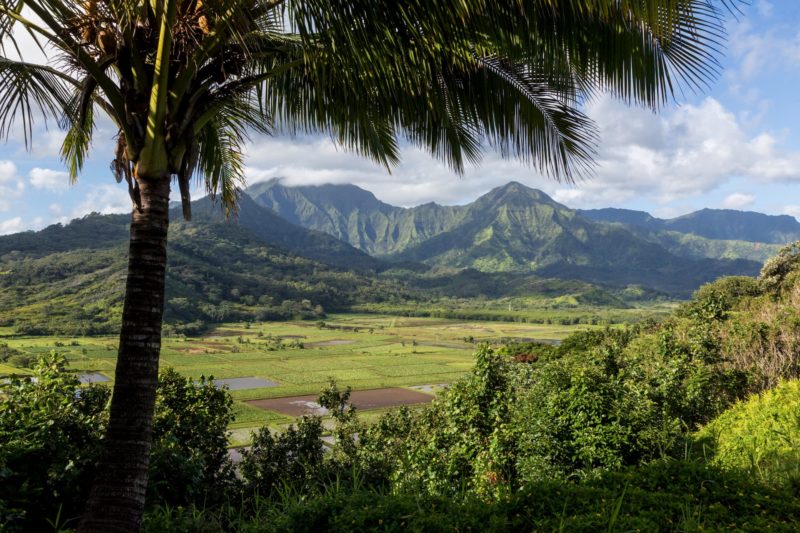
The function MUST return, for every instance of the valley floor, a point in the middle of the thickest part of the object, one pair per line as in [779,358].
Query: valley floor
[297,358]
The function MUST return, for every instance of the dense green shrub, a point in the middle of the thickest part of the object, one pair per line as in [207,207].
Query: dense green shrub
[777,269]
[51,431]
[292,459]
[713,301]
[189,460]
[663,496]
[760,436]
[601,401]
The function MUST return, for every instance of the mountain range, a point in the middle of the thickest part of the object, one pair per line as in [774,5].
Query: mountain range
[514,228]
[294,251]
[718,224]
[69,279]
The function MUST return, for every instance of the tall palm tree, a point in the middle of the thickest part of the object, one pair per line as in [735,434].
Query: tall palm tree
[185,81]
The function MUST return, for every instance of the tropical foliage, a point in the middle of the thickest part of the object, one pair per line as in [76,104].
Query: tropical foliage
[186,81]
[51,435]
[639,427]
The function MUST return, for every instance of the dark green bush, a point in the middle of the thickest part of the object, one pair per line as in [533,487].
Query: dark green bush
[663,496]
[189,460]
[51,431]
[292,459]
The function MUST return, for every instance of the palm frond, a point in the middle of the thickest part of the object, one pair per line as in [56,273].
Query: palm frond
[28,91]
[220,159]
[78,120]
[525,119]
[454,77]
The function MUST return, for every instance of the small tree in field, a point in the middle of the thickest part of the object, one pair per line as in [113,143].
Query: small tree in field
[184,81]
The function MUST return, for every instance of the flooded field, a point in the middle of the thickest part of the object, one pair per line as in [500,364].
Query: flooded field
[245,383]
[362,399]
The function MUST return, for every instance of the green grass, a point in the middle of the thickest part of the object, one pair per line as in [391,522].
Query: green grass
[562,310]
[248,416]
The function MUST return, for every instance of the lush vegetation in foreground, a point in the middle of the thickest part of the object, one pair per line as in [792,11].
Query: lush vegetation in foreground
[684,425]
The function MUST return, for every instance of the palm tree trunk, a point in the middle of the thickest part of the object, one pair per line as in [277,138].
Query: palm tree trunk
[117,498]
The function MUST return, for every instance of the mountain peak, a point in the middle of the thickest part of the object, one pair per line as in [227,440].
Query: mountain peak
[513,190]
[348,196]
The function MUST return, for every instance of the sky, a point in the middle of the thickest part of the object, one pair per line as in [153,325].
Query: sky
[736,145]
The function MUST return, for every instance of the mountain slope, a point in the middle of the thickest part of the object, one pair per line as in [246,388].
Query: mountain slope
[510,229]
[277,231]
[717,224]
[514,228]
[61,280]
[355,216]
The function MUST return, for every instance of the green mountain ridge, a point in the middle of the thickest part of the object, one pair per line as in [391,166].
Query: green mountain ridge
[355,216]
[69,279]
[512,228]
[277,231]
[716,224]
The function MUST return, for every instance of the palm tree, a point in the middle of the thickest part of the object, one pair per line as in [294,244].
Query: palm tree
[185,81]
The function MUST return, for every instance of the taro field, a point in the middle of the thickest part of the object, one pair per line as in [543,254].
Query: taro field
[264,361]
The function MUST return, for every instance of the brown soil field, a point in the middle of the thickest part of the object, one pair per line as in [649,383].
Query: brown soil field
[329,343]
[362,399]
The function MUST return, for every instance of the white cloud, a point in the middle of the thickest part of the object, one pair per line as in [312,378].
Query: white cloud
[792,210]
[11,185]
[8,171]
[757,52]
[104,199]
[12,225]
[49,179]
[645,156]
[55,209]
[738,200]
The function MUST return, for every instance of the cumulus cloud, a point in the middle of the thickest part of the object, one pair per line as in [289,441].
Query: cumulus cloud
[8,171]
[792,210]
[12,225]
[688,152]
[11,185]
[738,200]
[663,158]
[104,199]
[49,179]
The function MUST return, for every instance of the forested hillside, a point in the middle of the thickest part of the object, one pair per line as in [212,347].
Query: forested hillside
[511,242]
[69,279]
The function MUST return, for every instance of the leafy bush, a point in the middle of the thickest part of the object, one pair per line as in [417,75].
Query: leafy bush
[760,436]
[664,496]
[293,458]
[50,433]
[189,460]
[775,271]
[713,301]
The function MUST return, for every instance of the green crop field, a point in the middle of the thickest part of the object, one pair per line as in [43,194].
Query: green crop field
[363,351]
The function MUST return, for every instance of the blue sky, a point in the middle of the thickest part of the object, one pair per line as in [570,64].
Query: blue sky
[737,145]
